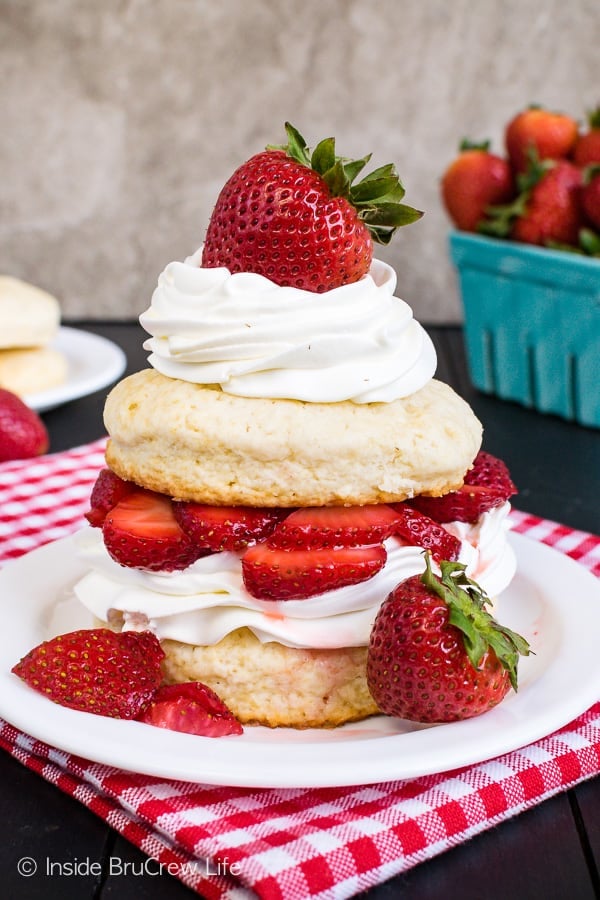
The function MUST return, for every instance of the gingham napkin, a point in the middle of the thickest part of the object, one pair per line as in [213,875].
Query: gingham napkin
[285,844]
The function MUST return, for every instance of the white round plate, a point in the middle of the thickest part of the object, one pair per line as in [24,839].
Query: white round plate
[552,601]
[93,363]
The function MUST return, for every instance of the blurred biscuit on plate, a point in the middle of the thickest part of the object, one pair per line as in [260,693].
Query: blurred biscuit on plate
[29,322]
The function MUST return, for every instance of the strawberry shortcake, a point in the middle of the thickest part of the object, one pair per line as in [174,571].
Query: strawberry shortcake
[288,457]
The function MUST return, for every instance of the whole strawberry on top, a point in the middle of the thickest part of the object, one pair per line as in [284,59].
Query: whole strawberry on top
[299,219]
[436,654]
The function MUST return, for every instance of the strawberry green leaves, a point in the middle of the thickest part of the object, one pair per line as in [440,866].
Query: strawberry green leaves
[466,603]
[377,197]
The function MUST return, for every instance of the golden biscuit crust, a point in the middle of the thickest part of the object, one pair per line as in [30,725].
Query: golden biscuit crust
[269,684]
[195,442]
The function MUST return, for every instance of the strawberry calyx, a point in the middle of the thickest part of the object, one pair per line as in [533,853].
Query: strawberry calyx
[500,219]
[588,244]
[376,197]
[593,118]
[590,172]
[466,602]
[468,144]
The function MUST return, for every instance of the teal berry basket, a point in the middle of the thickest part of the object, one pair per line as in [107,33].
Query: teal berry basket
[532,324]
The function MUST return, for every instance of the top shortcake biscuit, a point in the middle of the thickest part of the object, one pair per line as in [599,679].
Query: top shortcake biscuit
[195,442]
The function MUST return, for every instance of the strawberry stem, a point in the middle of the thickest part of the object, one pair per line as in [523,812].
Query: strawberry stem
[466,602]
[376,197]
[593,118]
[468,144]
[500,219]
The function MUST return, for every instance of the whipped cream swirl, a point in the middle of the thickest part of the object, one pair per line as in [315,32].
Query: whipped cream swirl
[208,600]
[255,338]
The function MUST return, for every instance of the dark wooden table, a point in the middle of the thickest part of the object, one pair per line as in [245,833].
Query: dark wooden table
[551,851]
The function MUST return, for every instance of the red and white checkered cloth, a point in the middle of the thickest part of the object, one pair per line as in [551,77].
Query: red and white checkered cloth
[285,844]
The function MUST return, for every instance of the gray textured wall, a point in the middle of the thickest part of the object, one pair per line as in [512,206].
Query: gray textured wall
[122,119]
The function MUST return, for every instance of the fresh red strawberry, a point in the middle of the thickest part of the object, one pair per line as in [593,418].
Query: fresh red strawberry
[587,148]
[96,670]
[107,491]
[298,219]
[551,135]
[273,574]
[416,528]
[225,527]
[552,211]
[141,532]
[22,432]
[436,654]
[475,180]
[487,484]
[319,527]
[191,707]
[547,210]
[590,195]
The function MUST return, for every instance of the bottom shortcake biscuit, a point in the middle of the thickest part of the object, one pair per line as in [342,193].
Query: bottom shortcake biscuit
[270,684]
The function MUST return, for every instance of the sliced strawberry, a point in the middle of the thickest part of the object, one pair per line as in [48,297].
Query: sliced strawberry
[418,529]
[191,707]
[225,527]
[106,493]
[316,528]
[490,472]
[273,574]
[96,670]
[487,485]
[141,532]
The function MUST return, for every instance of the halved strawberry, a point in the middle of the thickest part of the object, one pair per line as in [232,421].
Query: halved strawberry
[315,528]
[418,529]
[141,532]
[273,574]
[106,493]
[225,527]
[487,484]
[191,707]
[96,670]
